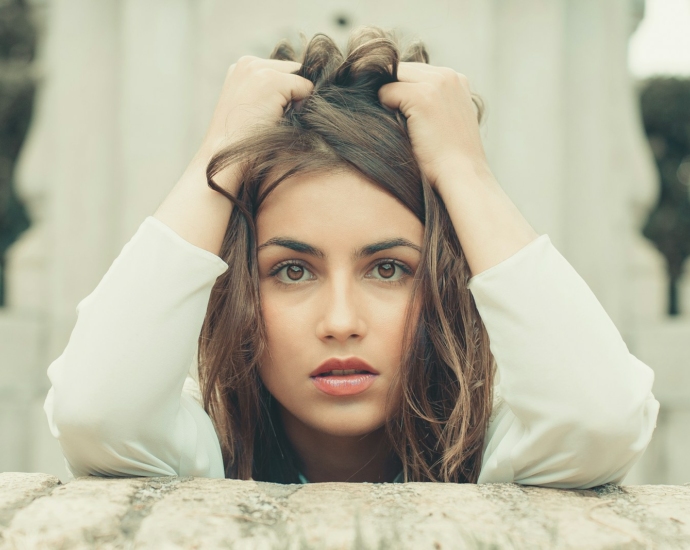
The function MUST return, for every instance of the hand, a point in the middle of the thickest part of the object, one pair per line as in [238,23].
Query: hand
[441,120]
[255,92]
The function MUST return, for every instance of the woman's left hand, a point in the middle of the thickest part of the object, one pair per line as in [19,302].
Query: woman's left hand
[443,127]
[441,120]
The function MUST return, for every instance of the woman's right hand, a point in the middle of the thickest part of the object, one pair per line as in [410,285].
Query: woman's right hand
[255,92]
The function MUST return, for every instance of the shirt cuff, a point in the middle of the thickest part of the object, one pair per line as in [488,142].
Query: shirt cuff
[154,224]
[536,247]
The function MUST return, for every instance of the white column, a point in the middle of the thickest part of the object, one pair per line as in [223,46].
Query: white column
[156,86]
[526,112]
[68,175]
[83,168]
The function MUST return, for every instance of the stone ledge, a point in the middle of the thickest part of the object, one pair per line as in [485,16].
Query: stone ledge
[36,511]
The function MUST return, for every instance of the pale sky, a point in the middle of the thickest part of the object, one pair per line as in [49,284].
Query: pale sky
[661,43]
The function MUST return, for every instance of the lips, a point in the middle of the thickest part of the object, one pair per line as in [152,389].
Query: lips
[344,377]
[348,364]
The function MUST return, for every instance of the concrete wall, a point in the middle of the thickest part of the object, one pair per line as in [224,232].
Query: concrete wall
[129,86]
[35,512]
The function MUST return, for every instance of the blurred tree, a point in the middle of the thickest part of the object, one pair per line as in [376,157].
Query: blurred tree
[17,48]
[665,103]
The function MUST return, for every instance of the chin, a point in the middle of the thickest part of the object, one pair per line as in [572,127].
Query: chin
[346,425]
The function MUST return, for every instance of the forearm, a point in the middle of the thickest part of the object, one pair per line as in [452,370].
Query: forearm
[194,211]
[255,92]
[116,404]
[488,224]
[580,405]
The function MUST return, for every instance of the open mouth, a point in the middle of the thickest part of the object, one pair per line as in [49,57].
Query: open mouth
[344,376]
[347,372]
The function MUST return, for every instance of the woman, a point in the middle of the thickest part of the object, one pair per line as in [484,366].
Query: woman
[355,276]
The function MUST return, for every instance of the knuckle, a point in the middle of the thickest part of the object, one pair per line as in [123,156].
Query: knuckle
[452,80]
[428,88]
[264,75]
[246,61]
[428,94]
[448,73]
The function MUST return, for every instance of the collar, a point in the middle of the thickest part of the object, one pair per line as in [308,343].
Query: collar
[398,478]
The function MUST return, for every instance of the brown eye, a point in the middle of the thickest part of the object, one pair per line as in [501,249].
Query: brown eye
[295,272]
[291,274]
[386,270]
[390,271]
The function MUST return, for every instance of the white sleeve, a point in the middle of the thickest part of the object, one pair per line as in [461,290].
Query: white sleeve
[574,408]
[117,404]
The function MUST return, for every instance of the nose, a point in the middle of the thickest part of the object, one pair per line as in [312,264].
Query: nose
[341,316]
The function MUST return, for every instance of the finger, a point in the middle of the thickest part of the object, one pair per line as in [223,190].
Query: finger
[283,66]
[295,88]
[409,71]
[422,72]
[301,87]
[397,95]
[279,65]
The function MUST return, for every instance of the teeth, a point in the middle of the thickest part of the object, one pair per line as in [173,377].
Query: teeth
[345,372]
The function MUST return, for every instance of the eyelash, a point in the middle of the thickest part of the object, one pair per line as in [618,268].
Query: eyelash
[406,270]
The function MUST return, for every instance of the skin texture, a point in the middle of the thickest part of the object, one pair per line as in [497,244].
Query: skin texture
[310,324]
[338,307]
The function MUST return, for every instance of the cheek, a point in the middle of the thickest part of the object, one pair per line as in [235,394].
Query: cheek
[286,332]
[388,323]
[387,328]
[287,337]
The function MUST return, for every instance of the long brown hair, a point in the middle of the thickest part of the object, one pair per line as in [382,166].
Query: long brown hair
[447,371]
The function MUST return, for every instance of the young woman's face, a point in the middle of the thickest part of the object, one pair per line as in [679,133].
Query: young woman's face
[336,261]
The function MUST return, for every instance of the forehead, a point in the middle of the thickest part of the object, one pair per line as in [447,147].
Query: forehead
[340,205]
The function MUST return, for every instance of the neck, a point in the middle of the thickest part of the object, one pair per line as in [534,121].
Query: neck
[326,457]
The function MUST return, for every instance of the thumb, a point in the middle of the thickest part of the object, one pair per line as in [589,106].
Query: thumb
[299,87]
[395,96]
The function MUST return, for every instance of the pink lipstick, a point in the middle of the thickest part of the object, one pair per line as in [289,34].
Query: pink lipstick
[348,376]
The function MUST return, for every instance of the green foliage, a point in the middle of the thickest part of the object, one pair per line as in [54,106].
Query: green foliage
[17,46]
[665,103]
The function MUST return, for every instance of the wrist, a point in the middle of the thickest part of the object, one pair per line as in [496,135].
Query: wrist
[228,179]
[463,172]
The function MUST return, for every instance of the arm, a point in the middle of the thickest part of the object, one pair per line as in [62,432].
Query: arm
[117,404]
[255,91]
[576,407]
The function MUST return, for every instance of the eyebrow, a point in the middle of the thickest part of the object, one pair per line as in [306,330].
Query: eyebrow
[364,252]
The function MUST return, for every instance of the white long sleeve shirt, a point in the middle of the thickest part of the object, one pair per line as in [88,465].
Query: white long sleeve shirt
[573,407]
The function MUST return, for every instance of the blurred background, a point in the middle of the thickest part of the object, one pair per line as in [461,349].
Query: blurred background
[102,104]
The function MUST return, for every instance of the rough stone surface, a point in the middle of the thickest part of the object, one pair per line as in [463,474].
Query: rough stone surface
[36,511]
[18,491]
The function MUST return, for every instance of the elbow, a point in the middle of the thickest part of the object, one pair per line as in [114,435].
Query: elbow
[82,411]
[615,433]
[82,436]
[103,435]
[99,441]
[580,453]
[70,408]
[614,447]
[604,449]
[70,416]
[96,443]
[623,429]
